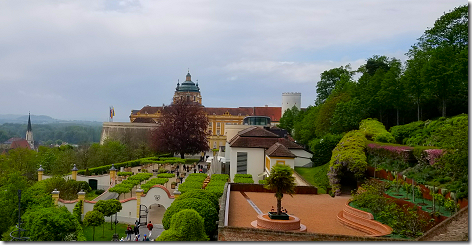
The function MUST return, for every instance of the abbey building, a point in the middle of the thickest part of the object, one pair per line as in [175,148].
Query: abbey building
[218,117]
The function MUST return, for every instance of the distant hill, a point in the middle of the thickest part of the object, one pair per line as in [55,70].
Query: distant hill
[42,119]
[47,130]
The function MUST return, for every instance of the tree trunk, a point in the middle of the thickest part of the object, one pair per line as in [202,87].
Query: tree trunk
[182,155]
[279,206]
[111,222]
[444,108]
[418,104]
[398,119]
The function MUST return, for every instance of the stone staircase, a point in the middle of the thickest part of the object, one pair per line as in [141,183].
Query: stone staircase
[362,221]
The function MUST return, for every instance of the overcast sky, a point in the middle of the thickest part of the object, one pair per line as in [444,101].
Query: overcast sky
[73,59]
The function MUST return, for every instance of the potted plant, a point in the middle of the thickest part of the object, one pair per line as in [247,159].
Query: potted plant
[281,181]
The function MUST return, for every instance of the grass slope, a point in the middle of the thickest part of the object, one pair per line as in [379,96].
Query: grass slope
[120,229]
[316,176]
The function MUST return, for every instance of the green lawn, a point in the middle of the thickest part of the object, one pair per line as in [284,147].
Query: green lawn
[316,176]
[120,229]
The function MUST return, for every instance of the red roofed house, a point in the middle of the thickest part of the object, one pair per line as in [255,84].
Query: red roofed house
[255,149]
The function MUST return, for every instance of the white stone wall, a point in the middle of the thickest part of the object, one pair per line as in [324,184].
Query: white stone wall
[303,157]
[150,198]
[103,181]
[69,206]
[255,162]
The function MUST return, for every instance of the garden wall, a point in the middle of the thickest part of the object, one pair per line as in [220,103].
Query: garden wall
[252,234]
[383,174]
[260,188]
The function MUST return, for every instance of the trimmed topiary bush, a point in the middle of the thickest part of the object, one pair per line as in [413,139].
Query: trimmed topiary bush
[375,131]
[201,194]
[243,180]
[186,225]
[243,175]
[165,175]
[204,208]
[349,154]
[223,177]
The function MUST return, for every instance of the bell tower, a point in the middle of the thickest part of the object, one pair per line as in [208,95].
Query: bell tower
[29,133]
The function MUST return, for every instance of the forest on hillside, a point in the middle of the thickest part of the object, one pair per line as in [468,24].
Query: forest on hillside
[421,105]
[52,133]
[432,83]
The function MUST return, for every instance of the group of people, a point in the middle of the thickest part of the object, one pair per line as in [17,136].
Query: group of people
[135,230]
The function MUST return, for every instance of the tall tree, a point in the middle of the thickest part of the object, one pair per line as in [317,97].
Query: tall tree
[182,129]
[329,81]
[444,47]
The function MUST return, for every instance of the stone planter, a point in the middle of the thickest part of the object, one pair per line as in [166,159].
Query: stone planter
[283,216]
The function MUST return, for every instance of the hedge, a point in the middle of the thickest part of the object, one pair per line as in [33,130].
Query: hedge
[105,168]
[201,194]
[203,207]
[190,185]
[165,175]
[124,173]
[216,183]
[140,177]
[243,175]
[243,180]
[263,182]
[349,155]
[375,130]
[216,190]
[223,177]
[185,225]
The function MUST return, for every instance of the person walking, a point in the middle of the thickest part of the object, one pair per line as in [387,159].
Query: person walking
[129,231]
[145,238]
[149,226]
[136,228]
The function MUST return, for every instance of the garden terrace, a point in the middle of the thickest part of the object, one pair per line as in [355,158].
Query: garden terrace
[236,214]
[139,162]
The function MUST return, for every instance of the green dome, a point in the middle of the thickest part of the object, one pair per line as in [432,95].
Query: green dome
[187,86]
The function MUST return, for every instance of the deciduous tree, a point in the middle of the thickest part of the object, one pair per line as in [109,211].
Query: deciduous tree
[182,129]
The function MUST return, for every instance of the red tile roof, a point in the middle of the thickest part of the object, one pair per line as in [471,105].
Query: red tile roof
[20,144]
[279,150]
[11,140]
[143,120]
[257,132]
[275,113]
[261,142]
[240,111]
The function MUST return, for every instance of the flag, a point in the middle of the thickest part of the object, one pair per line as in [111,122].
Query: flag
[112,112]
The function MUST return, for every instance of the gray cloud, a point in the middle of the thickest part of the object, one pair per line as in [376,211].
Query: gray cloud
[73,59]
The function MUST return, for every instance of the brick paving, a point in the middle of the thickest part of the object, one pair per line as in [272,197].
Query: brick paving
[317,212]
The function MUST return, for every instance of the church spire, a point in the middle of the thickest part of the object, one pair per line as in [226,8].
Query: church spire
[29,122]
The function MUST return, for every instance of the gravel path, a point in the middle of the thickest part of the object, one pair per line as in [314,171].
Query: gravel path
[457,230]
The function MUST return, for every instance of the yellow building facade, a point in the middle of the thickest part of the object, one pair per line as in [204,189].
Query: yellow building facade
[218,117]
